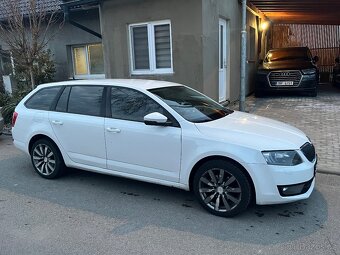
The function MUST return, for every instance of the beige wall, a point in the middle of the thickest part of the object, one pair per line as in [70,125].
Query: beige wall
[194,37]
[186,28]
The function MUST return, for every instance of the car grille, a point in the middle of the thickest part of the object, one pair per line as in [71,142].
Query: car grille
[309,151]
[285,78]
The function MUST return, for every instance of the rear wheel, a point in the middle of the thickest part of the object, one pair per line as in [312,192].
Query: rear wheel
[46,159]
[222,188]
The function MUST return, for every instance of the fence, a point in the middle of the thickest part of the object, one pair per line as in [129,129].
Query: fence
[323,40]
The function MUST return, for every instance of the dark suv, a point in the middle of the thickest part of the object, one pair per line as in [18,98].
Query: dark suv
[288,69]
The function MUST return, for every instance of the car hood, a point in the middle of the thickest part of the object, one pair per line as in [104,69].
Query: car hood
[254,132]
[286,65]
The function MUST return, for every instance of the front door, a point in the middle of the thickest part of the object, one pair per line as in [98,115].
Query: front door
[223,60]
[136,148]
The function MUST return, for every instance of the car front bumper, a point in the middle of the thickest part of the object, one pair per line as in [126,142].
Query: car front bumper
[270,180]
[308,83]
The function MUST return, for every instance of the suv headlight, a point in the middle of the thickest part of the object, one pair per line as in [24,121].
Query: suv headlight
[309,71]
[282,158]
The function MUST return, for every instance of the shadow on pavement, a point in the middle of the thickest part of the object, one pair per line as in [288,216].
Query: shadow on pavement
[139,205]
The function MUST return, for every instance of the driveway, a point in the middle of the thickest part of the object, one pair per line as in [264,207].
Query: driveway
[87,213]
[318,117]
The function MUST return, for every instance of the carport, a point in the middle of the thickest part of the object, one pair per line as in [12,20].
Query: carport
[311,23]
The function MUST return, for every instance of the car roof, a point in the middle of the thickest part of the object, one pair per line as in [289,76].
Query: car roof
[130,83]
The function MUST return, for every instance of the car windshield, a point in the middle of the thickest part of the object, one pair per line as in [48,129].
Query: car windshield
[288,54]
[191,105]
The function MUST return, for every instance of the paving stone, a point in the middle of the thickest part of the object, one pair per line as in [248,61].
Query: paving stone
[318,117]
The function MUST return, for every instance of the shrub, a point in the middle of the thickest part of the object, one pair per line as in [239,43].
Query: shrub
[9,102]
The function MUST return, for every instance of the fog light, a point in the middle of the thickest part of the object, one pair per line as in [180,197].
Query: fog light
[295,189]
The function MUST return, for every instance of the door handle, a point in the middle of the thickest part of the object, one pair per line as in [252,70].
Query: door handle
[113,130]
[57,122]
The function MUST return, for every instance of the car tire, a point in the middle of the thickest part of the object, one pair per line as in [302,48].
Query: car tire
[222,188]
[314,93]
[47,159]
[258,94]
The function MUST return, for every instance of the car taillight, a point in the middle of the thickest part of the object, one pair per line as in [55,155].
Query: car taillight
[14,118]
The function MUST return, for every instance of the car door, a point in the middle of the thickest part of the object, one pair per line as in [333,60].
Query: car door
[78,124]
[136,148]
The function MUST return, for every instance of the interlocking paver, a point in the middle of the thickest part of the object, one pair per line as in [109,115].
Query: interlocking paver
[318,117]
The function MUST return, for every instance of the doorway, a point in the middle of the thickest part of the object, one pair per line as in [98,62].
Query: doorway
[224,60]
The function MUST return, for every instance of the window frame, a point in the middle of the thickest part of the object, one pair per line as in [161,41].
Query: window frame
[56,98]
[88,75]
[153,70]
[102,105]
[171,118]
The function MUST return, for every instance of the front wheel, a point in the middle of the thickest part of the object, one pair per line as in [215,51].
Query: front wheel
[46,159]
[222,188]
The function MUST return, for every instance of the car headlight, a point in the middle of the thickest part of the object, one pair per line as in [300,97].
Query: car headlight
[282,158]
[309,71]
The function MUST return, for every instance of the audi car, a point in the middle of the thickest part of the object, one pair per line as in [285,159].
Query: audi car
[292,70]
[165,133]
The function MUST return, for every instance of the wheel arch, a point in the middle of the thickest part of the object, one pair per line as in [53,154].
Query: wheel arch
[211,158]
[38,137]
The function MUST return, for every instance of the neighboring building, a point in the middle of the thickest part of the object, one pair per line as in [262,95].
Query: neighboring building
[194,42]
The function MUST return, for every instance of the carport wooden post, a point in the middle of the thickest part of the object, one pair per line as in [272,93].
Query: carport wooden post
[243,57]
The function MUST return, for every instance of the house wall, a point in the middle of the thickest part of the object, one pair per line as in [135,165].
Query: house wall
[69,35]
[252,59]
[186,29]
[230,11]
[195,38]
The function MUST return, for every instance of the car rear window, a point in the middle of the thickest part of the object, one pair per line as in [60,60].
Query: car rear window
[86,100]
[43,99]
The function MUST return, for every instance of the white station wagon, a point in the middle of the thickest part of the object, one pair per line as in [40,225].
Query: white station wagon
[168,134]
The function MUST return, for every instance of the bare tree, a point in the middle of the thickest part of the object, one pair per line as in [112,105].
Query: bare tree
[28,27]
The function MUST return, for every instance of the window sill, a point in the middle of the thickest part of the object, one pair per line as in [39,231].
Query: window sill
[134,73]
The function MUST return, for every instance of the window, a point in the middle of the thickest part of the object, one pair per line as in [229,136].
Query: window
[63,99]
[252,44]
[86,100]
[151,48]
[129,104]
[43,99]
[88,61]
[191,105]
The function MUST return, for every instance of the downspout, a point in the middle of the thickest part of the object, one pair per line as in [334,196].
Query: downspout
[243,57]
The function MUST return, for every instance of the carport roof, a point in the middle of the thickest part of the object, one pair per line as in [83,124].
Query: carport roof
[300,11]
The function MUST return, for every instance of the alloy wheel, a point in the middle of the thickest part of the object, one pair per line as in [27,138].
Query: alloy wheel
[44,159]
[220,190]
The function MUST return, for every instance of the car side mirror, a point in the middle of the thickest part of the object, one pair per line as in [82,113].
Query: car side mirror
[337,60]
[261,61]
[156,119]
[315,59]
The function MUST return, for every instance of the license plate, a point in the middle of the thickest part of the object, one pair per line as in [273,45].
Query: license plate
[284,83]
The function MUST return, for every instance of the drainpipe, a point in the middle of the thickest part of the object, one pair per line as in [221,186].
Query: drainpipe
[243,57]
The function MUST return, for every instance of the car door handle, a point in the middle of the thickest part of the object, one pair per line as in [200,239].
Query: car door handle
[113,130]
[57,122]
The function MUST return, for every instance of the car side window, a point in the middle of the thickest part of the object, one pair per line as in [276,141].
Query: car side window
[43,99]
[130,104]
[86,100]
[63,100]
